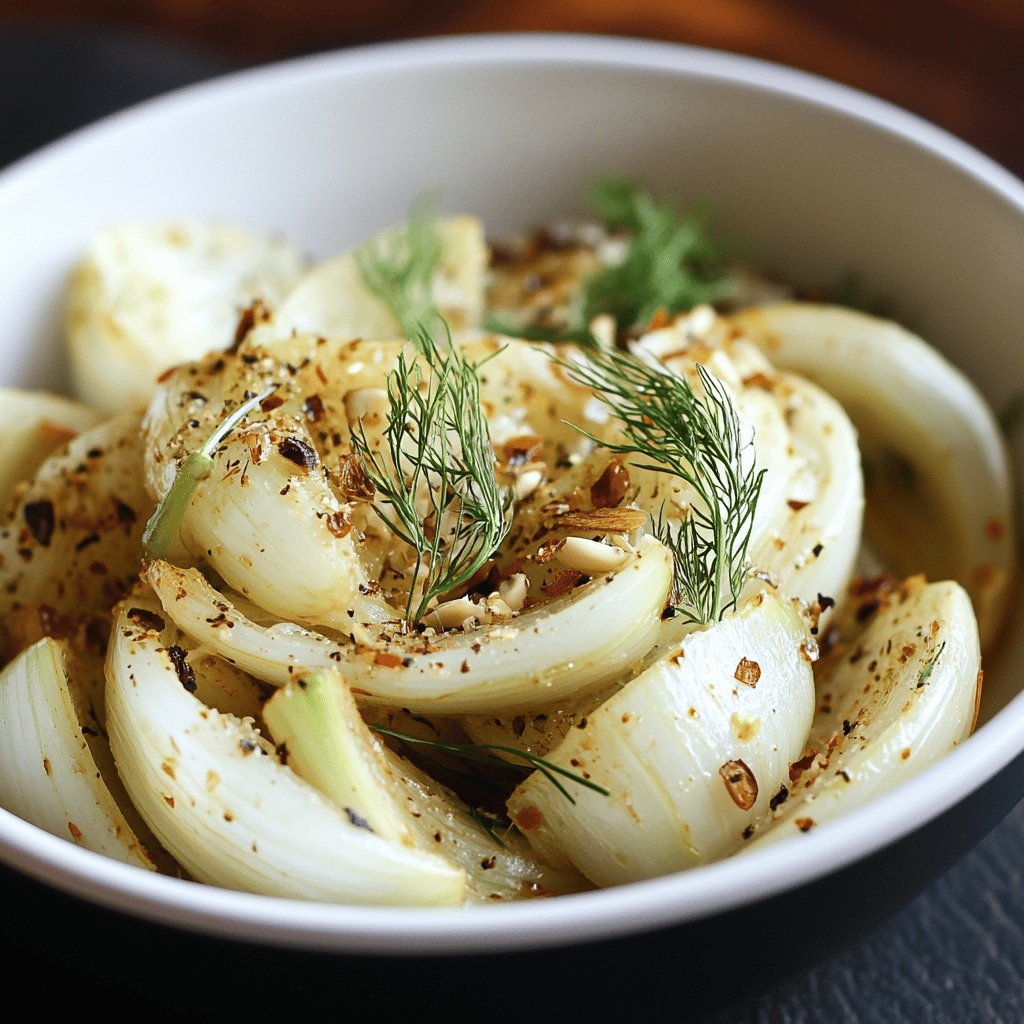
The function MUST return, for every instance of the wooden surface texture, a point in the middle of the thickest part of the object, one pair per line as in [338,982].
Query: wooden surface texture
[959,63]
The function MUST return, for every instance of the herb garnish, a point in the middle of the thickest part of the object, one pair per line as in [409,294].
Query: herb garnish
[663,420]
[399,270]
[162,529]
[670,265]
[926,672]
[478,752]
[437,448]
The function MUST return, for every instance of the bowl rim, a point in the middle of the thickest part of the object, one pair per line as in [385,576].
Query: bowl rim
[675,899]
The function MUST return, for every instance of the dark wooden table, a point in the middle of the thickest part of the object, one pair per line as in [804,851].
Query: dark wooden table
[956,954]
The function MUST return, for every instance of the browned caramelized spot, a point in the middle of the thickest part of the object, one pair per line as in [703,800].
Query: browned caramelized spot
[529,818]
[610,488]
[517,451]
[271,402]
[40,520]
[297,451]
[759,380]
[56,433]
[183,670]
[796,505]
[740,783]
[338,523]
[604,520]
[353,482]
[748,672]
[977,699]
[995,528]
[562,583]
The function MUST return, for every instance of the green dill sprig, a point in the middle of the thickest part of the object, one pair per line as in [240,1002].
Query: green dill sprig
[399,269]
[664,421]
[485,753]
[669,265]
[437,447]
[162,528]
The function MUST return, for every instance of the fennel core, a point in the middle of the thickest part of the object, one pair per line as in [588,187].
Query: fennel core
[437,445]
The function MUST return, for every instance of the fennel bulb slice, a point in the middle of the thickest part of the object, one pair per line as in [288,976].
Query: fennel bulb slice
[569,646]
[895,700]
[333,299]
[922,423]
[149,295]
[226,807]
[33,425]
[692,751]
[47,772]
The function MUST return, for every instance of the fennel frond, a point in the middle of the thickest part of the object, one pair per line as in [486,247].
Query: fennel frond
[699,441]
[436,450]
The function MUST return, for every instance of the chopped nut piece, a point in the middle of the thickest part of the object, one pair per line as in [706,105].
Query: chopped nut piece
[513,591]
[591,557]
[610,488]
[527,482]
[454,613]
[604,520]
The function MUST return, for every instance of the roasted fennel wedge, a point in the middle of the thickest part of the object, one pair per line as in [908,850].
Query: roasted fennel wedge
[149,295]
[568,646]
[316,721]
[71,539]
[892,702]
[226,807]
[444,263]
[922,424]
[692,751]
[33,425]
[47,772]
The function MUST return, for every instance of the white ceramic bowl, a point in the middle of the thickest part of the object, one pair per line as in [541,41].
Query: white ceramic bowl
[816,179]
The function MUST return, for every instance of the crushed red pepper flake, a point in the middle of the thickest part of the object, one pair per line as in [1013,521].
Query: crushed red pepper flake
[339,524]
[740,783]
[297,451]
[355,485]
[76,832]
[184,671]
[804,824]
[388,660]
[747,672]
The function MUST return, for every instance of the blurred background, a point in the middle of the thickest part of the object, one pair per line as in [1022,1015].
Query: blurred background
[956,62]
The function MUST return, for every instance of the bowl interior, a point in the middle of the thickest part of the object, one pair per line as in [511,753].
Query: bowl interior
[811,180]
